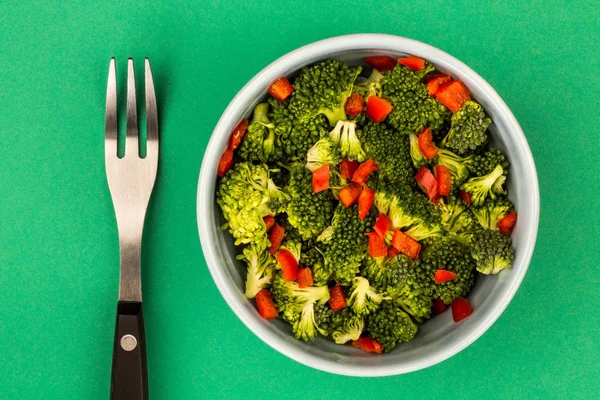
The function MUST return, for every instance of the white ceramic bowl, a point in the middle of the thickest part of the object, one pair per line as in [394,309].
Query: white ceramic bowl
[440,337]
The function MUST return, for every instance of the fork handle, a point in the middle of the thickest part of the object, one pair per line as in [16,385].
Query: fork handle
[129,379]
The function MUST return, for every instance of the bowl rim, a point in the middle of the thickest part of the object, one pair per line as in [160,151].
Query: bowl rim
[302,56]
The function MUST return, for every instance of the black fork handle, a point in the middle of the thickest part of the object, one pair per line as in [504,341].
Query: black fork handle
[129,379]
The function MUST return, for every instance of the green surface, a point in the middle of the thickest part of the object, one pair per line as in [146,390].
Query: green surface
[58,238]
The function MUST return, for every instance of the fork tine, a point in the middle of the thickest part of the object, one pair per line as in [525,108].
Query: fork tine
[110,122]
[131,142]
[151,113]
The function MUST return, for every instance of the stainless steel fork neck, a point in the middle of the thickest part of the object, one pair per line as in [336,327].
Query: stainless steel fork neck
[131,182]
[130,223]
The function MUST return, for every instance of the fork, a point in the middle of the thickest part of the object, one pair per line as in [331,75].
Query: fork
[130,179]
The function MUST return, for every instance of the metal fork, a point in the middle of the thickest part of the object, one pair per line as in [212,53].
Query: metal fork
[130,180]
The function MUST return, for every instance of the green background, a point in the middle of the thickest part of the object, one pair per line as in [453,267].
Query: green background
[58,237]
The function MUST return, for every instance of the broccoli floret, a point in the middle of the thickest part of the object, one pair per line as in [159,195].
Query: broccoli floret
[279,112]
[302,136]
[342,325]
[457,219]
[467,132]
[308,212]
[369,86]
[409,210]
[295,136]
[297,306]
[459,167]
[453,209]
[397,276]
[363,298]
[489,185]
[485,163]
[246,195]
[278,199]
[323,89]
[324,318]
[493,251]
[417,157]
[423,230]
[391,152]
[411,291]
[382,272]
[346,326]
[390,325]
[344,134]
[324,152]
[448,254]
[491,211]
[261,266]
[260,143]
[413,108]
[399,207]
[341,142]
[311,253]
[347,248]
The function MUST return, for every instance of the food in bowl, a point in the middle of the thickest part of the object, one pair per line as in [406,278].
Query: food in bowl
[364,205]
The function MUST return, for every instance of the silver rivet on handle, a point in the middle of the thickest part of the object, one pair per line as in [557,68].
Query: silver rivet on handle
[128,342]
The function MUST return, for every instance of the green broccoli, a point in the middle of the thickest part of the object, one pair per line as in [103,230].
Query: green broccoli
[347,248]
[382,272]
[364,299]
[343,325]
[302,136]
[410,290]
[324,152]
[467,132]
[457,219]
[489,185]
[323,89]
[410,210]
[399,207]
[308,212]
[484,164]
[261,265]
[413,108]
[295,136]
[246,195]
[459,167]
[423,230]
[448,254]
[369,86]
[260,143]
[344,134]
[311,253]
[397,277]
[493,251]
[279,112]
[346,326]
[341,142]
[390,325]
[297,306]
[491,211]
[324,318]
[391,152]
